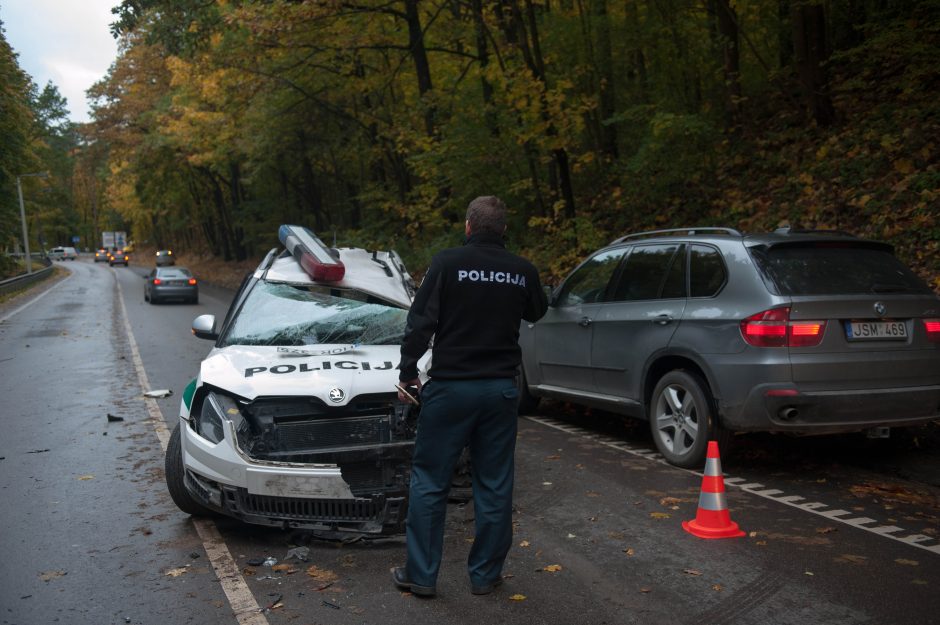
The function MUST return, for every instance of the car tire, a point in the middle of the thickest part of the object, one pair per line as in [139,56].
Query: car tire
[175,476]
[527,401]
[683,419]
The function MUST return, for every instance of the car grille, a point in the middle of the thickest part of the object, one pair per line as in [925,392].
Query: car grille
[327,510]
[329,433]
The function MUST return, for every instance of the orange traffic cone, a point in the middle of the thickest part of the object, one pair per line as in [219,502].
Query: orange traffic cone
[712,519]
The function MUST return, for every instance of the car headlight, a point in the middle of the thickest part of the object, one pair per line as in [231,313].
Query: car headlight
[216,411]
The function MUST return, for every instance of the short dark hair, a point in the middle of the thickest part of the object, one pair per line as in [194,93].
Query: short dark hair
[487,213]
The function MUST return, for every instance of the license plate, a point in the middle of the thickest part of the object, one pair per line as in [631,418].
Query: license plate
[874,330]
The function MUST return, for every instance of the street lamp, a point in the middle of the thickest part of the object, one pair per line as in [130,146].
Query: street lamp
[19,192]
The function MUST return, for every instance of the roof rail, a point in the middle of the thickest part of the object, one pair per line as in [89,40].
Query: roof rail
[686,231]
[789,230]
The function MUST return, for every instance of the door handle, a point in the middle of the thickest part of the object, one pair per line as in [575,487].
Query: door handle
[585,322]
[662,320]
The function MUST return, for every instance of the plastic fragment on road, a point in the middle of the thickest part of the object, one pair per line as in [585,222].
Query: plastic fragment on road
[164,392]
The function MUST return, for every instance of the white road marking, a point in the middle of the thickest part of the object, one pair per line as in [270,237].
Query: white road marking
[240,598]
[794,501]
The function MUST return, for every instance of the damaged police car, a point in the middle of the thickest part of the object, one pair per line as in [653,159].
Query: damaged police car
[293,420]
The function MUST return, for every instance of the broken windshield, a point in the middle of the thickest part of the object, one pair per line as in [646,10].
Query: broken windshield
[288,315]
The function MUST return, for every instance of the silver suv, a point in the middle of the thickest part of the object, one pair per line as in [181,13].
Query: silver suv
[707,331]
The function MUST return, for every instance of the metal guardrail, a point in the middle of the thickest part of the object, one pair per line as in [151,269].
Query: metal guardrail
[18,282]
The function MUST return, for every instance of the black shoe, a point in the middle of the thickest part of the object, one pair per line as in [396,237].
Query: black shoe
[401,580]
[486,589]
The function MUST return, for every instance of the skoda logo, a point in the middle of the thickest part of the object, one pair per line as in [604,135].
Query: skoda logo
[880,309]
[337,395]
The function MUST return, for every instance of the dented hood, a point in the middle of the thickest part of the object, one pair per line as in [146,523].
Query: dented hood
[335,378]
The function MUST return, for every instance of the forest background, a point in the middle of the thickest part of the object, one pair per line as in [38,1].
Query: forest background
[374,122]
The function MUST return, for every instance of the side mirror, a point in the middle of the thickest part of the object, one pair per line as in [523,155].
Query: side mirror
[204,327]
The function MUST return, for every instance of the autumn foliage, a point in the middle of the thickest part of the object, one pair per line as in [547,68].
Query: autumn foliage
[378,120]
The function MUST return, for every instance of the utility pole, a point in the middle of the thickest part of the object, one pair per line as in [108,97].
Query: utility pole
[19,192]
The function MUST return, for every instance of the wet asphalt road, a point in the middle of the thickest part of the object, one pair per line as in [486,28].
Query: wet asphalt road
[89,534]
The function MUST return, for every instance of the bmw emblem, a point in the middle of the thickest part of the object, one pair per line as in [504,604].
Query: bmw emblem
[880,309]
[337,395]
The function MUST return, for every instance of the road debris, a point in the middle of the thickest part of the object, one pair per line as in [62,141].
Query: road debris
[274,604]
[50,575]
[165,392]
[270,561]
[37,451]
[298,553]
[255,561]
[330,604]
[113,418]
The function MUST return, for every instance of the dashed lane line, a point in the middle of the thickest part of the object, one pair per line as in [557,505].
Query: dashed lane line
[240,598]
[760,490]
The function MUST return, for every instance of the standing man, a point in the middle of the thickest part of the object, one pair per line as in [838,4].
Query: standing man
[471,301]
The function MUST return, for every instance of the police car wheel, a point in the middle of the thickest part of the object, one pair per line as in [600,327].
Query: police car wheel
[175,475]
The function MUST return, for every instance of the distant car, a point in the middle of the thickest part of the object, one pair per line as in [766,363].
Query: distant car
[706,331]
[118,257]
[165,258]
[63,253]
[101,255]
[165,283]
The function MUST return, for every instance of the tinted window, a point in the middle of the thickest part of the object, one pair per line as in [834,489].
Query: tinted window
[589,281]
[706,271]
[674,287]
[178,272]
[644,272]
[836,269]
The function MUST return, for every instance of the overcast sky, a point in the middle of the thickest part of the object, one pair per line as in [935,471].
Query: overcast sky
[65,41]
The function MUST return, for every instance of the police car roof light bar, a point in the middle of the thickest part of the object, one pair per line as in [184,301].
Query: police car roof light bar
[312,254]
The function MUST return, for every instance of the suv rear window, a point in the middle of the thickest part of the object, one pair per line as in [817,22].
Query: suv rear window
[836,268]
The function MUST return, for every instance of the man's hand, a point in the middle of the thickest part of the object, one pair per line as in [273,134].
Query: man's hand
[406,383]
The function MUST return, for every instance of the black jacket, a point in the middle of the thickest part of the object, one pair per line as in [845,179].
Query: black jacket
[472,301]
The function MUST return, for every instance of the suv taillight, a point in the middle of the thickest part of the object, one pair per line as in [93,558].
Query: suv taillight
[933,330]
[773,328]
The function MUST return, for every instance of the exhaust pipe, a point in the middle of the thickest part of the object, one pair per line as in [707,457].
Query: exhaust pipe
[789,413]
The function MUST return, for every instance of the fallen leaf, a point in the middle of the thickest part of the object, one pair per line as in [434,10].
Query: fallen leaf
[517,598]
[322,575]
[848,557]
[825,530]
[48,575]
[761,542]
[579,466]
[907,562]
[629,551]
[571,536]
[552,568]
[591,493]
[592,518]
[810,573]
[524,543]
[176,572]
[669,501]
[554,457]
[752,534]
[546,483]
[691,572]
[284,568]
[85,478]
[645,589]
[659,515]
[717,587]
[248,572]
